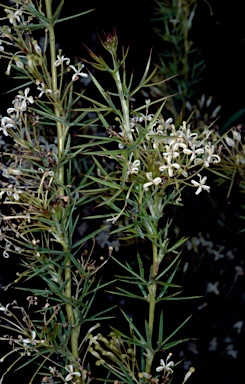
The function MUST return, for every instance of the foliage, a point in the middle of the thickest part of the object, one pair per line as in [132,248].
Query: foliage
[61,168]
[181,60]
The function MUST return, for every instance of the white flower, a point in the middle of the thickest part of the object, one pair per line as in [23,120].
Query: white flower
[6,122]
[60,60]
[231,352]
[25,98]
[13,16]
[213,344]
[19,107]
[213,287]
[31,341]
[171,152]
[13,192]
[133,167]
[70,369]
[210,156]
[201,185]
[43,89]
[4,309]
[78,72]
[193,151]
[152,181]
[166,367]
[169,167]
[1,47]
[185,133]
[238,326]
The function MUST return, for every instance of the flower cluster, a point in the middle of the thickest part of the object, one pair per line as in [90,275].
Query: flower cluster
[168,153]
[235,146]
[23,181]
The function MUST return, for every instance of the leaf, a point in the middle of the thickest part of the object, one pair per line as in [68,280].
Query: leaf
[178,244]
[160,330]
[175,331]
[168,267]
[88,237]
[174,343]
[130,321]
[126,293]
[50,116]
[165,287]
[130,270]
[73,16]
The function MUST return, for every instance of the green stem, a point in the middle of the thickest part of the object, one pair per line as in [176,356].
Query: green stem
[61,137]
[61,131]
[152,305]
[155,207]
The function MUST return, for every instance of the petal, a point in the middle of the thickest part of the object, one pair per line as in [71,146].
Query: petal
[159,369]
[146,185]
[157,180]
[149,175]
[77,374]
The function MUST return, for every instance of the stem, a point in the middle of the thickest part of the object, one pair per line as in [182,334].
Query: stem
[61,132]
[155,208]
[152,305]
[61,137]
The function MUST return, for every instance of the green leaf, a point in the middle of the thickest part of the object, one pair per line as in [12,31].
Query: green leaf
[168,267]
[98,316]
[73,16]
[50,116]
[175,331]
[160,331]
[130,270]
[126,293]
[130,321]
[178,244]
[88,237]
[174,343]
[165,287]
